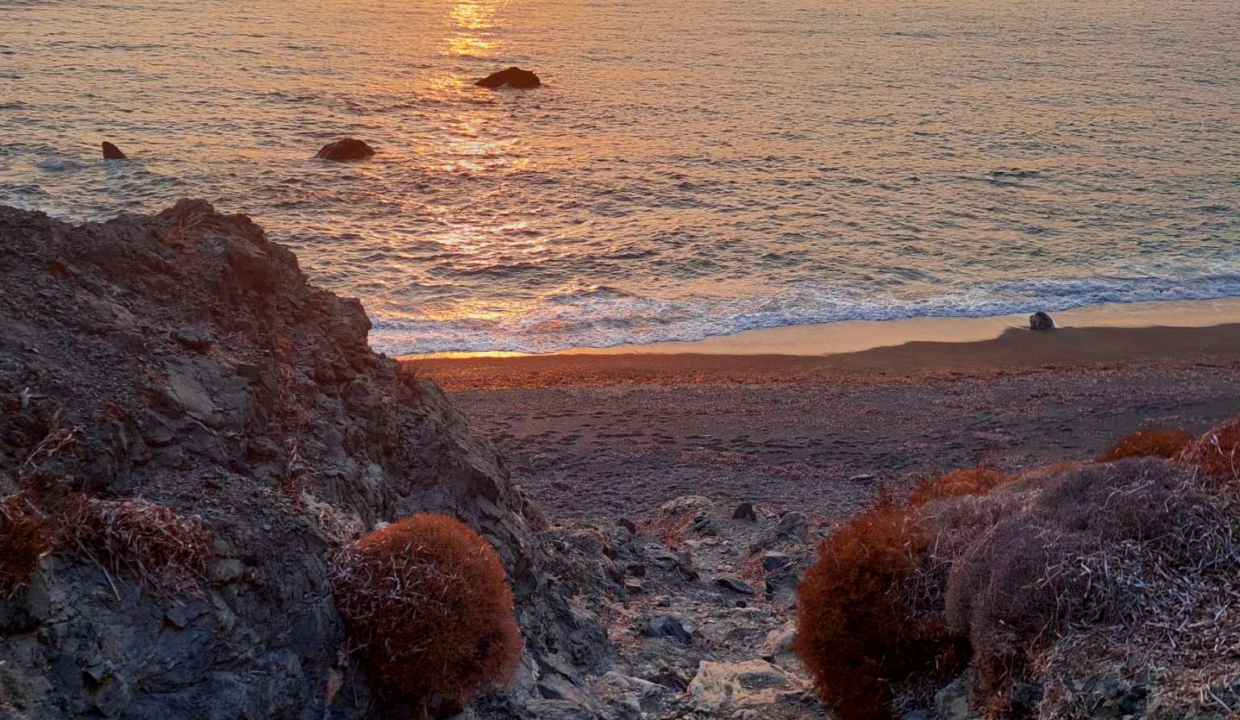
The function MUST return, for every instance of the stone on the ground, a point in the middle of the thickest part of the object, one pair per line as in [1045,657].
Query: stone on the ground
[111,152]
[513,77]
[1041,321]
[346,150]
[720,689]
[745,511]
[773,561]
[735,585]
[778,642]
[673,627]
[794,526]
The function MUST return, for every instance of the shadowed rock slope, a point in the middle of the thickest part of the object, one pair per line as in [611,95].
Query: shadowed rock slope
[183,359]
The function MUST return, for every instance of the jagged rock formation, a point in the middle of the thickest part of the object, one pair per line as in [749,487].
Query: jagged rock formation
[183,358]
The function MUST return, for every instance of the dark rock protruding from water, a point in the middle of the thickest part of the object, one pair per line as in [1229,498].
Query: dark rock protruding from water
[1041,321]
[513,77]
[111,152]
[346,150]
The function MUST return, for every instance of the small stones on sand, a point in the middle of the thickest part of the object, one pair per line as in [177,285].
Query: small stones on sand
[346,150]
[745,511]
[111,152]
[795,526]
[1041,321]
[774,561]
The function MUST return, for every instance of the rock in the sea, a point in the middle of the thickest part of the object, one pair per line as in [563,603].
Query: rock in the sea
[111,152]
[1041,321]
[745,511]
[513,77]
[347,150]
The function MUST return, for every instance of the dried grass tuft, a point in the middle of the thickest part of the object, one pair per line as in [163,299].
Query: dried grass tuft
[1156,442]
[428,608]
[1216,453]
[25,537]
[975,481]
[168,554]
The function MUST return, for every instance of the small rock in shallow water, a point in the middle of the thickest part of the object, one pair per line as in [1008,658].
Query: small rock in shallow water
[1041,321]
[346,150]
[513,77]
[111,152]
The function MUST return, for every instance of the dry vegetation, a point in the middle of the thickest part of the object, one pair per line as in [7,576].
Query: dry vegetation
[1157,442]
[1004,570]
[427,607]
[25,538]
[166,553]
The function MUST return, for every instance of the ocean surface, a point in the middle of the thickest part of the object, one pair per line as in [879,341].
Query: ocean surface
[690,168]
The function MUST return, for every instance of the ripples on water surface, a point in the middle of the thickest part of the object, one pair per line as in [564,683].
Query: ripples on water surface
[692,167]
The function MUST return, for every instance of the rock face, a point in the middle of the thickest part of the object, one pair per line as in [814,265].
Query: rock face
[111,152]
[513,77]
[346,150]
[183,358]
[1041,321]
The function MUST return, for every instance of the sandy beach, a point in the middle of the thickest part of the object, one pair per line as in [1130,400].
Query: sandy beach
[594,436]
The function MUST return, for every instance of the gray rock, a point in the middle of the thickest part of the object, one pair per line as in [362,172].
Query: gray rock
[1041,321]
[721,689]
[773,561]
[673,627]
[736,585]
[745,511]
[794,526]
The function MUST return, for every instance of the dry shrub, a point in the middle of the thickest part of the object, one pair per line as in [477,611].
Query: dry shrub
[167,553]
[1217,453]
[24,538]
[1081,547]
[1156,442]
[975,481]
[856,633]
[428,609]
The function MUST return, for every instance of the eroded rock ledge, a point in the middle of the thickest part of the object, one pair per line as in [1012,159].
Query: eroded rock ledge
[184,359]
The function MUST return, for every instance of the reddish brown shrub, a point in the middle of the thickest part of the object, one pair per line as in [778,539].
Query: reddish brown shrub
[976,481]
[856,633]
[428,609]
[167,553]
[1157,442]
[1217,453]
[24,539]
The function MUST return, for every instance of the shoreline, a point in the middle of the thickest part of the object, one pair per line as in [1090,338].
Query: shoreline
[856,336]
[1013,350]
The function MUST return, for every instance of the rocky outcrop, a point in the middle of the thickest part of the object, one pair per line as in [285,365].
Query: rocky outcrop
[184,358]
[111,152]
[513,77]
[346,150]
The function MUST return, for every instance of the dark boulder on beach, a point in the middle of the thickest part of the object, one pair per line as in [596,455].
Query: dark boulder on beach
[513,77]
[1041,321]
[111,152]
[346,150]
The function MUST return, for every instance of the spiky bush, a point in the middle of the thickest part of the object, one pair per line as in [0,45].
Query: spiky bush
[856,632]
[24,538]
[428,610]
[975,481]
[167,553]
[1216,453]
[1157,442]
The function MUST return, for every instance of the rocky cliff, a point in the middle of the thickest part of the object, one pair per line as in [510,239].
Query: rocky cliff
[184,359]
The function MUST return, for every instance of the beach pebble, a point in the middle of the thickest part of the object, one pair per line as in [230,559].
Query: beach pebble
[1041,321]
